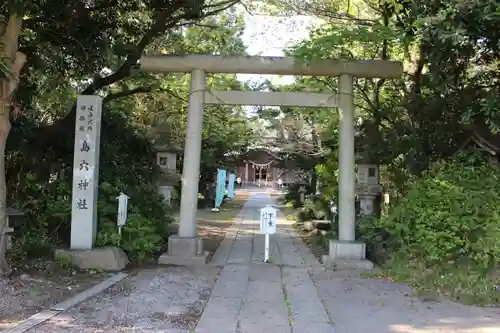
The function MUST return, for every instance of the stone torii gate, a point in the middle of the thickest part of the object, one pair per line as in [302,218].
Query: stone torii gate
[186,248]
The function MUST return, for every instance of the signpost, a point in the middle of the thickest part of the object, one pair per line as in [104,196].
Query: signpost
[122,211]
[267,226]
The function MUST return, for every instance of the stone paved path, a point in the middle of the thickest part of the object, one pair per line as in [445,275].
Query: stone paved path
[295,294]
[251,296]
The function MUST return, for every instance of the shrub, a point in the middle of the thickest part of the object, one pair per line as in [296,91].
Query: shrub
[127,165]
[316,207]
[148,217]
[140,238]
[445,234]
[292,195]
[377,238]
[304,214]
[328,173]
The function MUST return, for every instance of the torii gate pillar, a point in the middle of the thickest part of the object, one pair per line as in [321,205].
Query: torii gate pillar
[347,211]
[186,248]
[346,252]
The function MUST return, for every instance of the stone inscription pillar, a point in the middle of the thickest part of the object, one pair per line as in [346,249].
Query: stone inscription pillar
[85,172]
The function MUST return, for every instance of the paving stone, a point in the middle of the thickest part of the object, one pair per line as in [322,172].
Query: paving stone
[223,308]
[313,327]
[230,273]
[290,256]
[265,313]
[231,288]
[214,325]
[259,248]
[275,254]
[300,293]
[222,254]
[308,311]
[298,284]
[231,269]
[295,275]
[309,258]
[241,252]
[265,291]
[265,272]
[249,327]
[148,330]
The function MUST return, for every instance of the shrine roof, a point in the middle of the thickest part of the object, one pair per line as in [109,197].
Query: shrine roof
[481,135]
[254,152]
[167,148]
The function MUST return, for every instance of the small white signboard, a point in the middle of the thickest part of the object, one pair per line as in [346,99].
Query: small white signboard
[267,227]
[122,209]
[268,220]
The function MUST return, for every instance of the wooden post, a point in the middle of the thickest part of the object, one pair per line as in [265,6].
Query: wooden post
[246,174]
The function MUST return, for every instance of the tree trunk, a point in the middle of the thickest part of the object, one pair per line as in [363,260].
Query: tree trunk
[4,132]
[13,62]
[313,185]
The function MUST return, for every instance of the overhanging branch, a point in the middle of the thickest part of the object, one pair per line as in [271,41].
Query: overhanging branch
[74,12]
[165,19]
[321,10]
[125,93]
[141,90]
[163,22]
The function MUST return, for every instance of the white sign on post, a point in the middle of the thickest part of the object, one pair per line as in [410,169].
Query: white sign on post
[268,220]
[85,172]
[267,226]
[122,211]
[122,208]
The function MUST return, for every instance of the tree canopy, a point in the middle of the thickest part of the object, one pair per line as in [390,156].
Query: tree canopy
[450,82]
[82,48]
[450,88]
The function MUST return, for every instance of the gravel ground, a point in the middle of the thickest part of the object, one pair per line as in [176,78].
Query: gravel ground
[164,299]
[360,305]
[23,295]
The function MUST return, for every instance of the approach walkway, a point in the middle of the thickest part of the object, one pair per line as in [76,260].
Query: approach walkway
[294,294]
[291,294]
[252,296]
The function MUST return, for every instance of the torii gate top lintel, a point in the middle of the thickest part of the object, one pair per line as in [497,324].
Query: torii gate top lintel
[270,65]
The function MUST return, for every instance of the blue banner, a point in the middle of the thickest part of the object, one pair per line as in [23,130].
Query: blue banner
[230,188]
[221,187]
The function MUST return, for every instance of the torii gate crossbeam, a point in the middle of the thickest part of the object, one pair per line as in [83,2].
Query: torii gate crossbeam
[186,248]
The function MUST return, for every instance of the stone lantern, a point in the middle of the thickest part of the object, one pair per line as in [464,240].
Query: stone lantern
[367,187]
[302,192]
[166,160]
